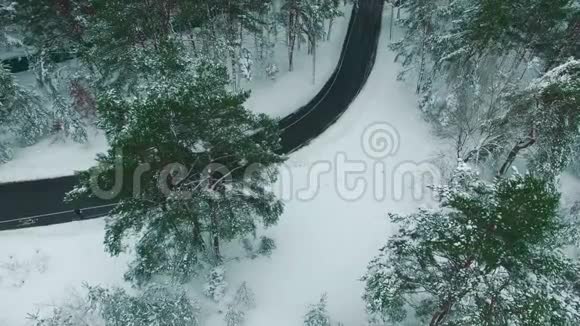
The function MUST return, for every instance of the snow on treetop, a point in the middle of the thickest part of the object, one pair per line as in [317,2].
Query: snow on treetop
[562,74]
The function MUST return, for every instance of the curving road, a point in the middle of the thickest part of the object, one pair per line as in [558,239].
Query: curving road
[355,65]
[37,203]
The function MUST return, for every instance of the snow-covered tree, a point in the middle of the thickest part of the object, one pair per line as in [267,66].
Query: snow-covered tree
[491,255]
[52,83]
[243,301]
[23,118]
[7,28]
[290,18]
[547,115]
[259,247]
[306,17]
[472,58]
[317,314]
[154,306]
[234,317]
[206,167]
[413,51]
[313,15]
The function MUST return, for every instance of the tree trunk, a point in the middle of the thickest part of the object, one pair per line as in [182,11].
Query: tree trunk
[313,61]
[330,23]
[214,234]
[440,315]
[391,23]
[241,45]
[216,249]
[422,63]
[234,72]
[291,40]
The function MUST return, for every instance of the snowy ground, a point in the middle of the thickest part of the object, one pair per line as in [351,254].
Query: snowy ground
[570,188]
[325,238]
[292,90]
[39,266]
[50,158]
[47,159]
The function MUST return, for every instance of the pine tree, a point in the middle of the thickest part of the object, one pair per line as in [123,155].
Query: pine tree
[208,165]
[492,255]
[413,50]
[123,53]
[308,17]
[313,14]
[317,314]
[473,58]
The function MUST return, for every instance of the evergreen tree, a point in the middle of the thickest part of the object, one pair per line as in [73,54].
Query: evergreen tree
[504,25]
[414,50]
[313,14]
[317,314]
[492,255]
[23,119]
[474,59]
[209,163]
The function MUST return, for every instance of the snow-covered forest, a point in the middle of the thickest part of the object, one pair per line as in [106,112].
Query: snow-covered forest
[446,194]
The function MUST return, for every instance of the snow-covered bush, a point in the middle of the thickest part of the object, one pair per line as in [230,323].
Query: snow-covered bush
[272,71]
[154,306]
[216,285]
[265,246]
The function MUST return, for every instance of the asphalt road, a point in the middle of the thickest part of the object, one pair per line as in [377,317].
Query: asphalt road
[40,202]
[355,65]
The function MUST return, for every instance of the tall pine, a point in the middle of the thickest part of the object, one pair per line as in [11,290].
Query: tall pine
[493,254]
[206,164]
